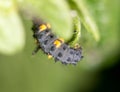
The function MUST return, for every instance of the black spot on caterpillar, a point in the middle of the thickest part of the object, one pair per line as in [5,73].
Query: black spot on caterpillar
[53,46]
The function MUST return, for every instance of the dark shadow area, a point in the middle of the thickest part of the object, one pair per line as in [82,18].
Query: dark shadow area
[110,79]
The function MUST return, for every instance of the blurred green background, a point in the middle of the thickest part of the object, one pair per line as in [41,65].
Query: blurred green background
[22,72]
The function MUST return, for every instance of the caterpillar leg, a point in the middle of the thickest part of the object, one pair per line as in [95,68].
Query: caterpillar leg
[36,50]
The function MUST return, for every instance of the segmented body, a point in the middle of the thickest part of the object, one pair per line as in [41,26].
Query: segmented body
[53,46]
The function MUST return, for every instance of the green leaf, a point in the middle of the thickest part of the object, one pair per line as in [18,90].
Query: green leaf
[86,18]
[54,11]
[12,37]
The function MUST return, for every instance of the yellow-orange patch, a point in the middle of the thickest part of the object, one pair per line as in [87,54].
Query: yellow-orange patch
[49,56]
[48,25]
[58,42]
[42,27]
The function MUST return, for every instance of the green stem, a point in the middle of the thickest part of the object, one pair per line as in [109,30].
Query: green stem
[77,31]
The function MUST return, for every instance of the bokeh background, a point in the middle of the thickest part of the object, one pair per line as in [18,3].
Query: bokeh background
[21,72]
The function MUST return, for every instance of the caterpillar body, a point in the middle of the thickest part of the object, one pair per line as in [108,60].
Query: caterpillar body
[53,46]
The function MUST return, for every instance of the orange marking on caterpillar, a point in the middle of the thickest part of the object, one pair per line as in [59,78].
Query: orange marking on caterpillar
[42,27]
[58,42]
[48,25]
[49,56]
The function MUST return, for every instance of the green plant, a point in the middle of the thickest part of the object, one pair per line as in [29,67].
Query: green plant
[57,13]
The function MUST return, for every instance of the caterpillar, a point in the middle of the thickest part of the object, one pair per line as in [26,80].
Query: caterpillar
[53,46]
